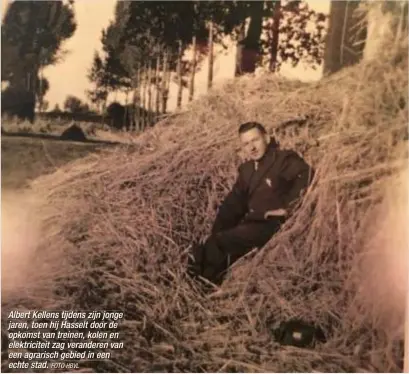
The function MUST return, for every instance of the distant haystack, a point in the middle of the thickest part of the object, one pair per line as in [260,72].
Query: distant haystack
[74,133]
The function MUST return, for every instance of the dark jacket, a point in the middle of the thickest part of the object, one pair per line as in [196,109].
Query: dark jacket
[274,182]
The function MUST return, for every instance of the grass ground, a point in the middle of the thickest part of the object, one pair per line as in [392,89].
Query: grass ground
[24,159]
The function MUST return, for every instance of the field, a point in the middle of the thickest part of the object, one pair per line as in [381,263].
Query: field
[111,230]
[24,159]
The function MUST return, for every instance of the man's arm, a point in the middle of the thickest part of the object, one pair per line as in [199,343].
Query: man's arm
[299,175]
[233,207]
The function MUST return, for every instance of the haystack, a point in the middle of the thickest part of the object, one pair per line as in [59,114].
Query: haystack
[74,133]
[118,225]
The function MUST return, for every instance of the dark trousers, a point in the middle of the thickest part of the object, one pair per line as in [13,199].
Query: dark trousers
[211,259]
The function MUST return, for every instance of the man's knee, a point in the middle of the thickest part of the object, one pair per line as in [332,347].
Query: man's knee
[208,260]
[215,253]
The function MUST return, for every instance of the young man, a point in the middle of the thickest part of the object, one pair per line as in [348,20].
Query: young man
[265,189]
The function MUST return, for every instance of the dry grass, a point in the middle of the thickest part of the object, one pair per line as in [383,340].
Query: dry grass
[116,227]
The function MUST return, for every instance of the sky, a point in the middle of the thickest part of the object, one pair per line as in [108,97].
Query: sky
[70,76]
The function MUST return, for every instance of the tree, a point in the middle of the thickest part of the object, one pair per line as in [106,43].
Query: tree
[19,103]
[363,30]
[340,50]
[57,109]
[75,105]
[98,76]
[302,35]
[295,34]
[274,35]
[44,106]
[42,87]
[32,35]
[34,31]
[143,31]
[249,45]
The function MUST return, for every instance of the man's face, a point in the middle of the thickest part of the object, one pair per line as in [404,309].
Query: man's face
[254,143]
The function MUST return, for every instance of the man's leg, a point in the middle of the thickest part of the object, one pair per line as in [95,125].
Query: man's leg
[231,245]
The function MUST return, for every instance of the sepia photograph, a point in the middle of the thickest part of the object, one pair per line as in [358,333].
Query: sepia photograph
[204,186]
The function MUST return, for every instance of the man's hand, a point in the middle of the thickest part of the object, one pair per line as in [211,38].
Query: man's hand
[275,213]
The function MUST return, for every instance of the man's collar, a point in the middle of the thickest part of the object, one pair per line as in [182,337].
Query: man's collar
[271,148]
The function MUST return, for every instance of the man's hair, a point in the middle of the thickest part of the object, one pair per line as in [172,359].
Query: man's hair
[256,125]
[244,127]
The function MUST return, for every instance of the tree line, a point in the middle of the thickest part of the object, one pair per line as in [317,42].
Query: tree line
[146,42]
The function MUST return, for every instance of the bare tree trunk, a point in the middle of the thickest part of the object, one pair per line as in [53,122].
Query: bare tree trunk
[179,72]
[168,80]
[27,82]
[138,120]
[149,82]
[133,124]
[40,89]
[210,71]
[132,117]
[158,90]
[276,35]
[340,48]
[250,50]
[193,72]
[41,80]
[104,110]
[125,119]
[240,50]
[144,80]
[164,81]
[31,81]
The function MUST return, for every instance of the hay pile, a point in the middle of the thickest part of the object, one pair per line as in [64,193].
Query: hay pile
[117,226]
